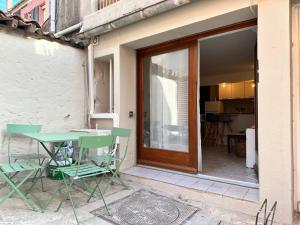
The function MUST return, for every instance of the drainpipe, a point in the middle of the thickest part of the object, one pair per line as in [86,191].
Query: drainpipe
[111,85]
[53,16]
[91,78]
[68,30]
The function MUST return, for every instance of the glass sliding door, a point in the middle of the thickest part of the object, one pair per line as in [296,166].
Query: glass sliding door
[167,106]
[165,100]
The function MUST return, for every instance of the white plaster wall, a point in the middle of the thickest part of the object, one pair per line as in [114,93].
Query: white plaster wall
[274,106]
[41,82]
[120,9]
[183,21]
[296,101]
[127,79]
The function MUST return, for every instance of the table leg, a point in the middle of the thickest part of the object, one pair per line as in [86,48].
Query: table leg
[52,156]
[228,143]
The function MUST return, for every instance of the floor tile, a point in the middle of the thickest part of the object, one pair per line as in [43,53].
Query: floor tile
[252,195]
[218,188]
[236,191]
[138,171]
[203,185]
[188,181]
[173,179]
[162,176]
[218,162]
[152,174]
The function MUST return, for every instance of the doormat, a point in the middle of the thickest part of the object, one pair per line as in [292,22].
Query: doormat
[146,208]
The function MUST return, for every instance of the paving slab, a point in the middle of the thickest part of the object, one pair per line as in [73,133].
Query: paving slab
[15,212]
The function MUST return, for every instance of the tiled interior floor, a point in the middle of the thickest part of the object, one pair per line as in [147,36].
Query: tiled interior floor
[219,163]
[186,180]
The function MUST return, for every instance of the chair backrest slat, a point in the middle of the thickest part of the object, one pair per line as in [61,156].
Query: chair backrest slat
[22,128]
[95,141]
[121,133]
[91,142]
[15,129]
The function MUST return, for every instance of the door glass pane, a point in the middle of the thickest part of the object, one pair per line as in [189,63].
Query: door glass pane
[165,101]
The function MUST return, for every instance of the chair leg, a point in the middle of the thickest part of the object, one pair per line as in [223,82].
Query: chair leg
[35,179]
[11,178]
[41,174]
[103,200]
[68,187]
[101,195]
[116,176]
[63,198]
[95,188]
[16,188]
[45,207]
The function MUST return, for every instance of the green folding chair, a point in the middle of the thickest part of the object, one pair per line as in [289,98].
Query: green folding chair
[81,170]
[18,129]
[15,168]
[110,159]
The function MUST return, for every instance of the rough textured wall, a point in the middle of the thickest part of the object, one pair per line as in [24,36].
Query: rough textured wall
[67,13]
[41,82]
[71,12]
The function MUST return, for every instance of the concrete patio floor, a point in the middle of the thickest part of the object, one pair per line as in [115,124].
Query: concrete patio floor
[15,212]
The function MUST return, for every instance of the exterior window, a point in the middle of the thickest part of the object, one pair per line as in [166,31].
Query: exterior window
[103,86]
[35,14]
[44,14]
[105,3]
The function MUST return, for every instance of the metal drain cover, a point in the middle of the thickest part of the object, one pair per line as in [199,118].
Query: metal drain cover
[148,211]
[144,207]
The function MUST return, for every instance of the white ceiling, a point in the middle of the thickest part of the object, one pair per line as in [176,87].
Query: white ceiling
[229,53]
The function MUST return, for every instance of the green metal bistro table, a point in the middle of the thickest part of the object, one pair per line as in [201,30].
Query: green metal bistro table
[44,138]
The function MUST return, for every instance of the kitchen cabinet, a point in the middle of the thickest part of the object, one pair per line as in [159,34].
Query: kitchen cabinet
[224,91]
[238,90]
[249,89]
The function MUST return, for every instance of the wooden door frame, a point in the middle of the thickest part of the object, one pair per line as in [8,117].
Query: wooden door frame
[170,159]
[187,162]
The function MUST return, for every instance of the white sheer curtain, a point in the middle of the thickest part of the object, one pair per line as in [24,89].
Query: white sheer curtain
[168,101]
